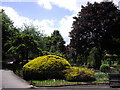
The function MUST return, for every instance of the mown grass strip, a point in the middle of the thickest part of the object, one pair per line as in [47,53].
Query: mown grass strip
[55,82]
[60,82]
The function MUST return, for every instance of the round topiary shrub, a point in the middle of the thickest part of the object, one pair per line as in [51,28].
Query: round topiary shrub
[45,67]
[79,74]
[104,68]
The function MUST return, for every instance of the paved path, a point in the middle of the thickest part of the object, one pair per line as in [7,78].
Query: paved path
[10,80]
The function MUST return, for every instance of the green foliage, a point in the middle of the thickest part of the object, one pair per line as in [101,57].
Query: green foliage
[55,42]
[105,68]
[94,58]
[45,67]
[96,25]
[37,35]
[8,33]
[53,82]
[101,77]
[19,44]
[79,74]
[52,53]
[22,45]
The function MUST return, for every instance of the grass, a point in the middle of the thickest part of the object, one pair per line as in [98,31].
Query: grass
[100,78]
[55,82]
[60,82]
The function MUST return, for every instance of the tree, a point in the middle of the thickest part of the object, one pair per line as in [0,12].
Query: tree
[18,44]
[93,57]
[8,32]
[55,42]
[96,26]
[22,45]
[37,35]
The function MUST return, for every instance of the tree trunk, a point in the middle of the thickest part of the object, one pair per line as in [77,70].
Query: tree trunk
[98,58]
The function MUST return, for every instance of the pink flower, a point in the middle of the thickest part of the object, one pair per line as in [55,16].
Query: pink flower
[112,68]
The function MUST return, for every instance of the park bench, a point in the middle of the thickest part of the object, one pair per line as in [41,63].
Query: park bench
[114,80]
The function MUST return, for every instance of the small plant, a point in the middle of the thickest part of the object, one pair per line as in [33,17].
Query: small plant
[101,77]
[79,74]
[104,68]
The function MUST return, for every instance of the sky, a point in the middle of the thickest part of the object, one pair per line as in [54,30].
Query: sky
[47,15]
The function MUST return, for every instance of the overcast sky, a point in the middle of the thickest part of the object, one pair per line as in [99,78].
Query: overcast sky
[48,15]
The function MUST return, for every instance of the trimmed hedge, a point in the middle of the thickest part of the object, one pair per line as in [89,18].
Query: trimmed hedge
[79,74]
[45,67]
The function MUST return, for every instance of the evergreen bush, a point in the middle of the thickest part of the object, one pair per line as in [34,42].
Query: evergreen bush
[79,74]
[45,67]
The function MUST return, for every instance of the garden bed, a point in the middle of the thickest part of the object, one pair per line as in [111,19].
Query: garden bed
[101,79]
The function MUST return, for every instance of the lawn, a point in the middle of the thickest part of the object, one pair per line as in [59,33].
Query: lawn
[100,78]
[55,82]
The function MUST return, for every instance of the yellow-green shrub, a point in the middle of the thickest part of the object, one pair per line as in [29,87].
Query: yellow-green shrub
[79,74]
[45,67]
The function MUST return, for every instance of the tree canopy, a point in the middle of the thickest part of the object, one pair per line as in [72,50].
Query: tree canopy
[8,32]
[22,44]
[55,42]
[97,25]
[18,44]
[95,31]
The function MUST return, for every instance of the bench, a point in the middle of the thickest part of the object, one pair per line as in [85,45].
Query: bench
[114,80]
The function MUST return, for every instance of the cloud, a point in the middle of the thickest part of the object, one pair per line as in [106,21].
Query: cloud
[19,21]
[15,17]
[18,0]
[65,27]
[45,4]
[47,25]
[71,5]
